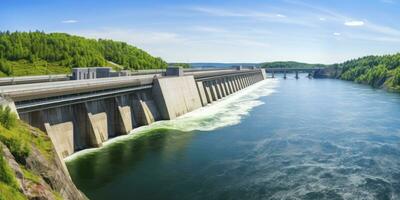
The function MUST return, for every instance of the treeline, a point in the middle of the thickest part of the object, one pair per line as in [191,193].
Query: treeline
[377,71]
[183,65]
[290,64]
[129,56]
[60,49]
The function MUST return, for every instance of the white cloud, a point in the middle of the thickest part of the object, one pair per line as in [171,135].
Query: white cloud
[281,16]
[322,19]
[69,21]
[354,23]
[337,34]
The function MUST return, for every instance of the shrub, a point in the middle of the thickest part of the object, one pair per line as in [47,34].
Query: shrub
[7,118]
[5,68]
[11,136]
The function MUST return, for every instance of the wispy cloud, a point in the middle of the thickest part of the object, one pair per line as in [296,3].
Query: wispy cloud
[337,34]
[354,23]
[235,13]
[132,36]
[373,38]
[388,1]
[208,29]
[386,30]
[368,26]
[251,14]
[69,21]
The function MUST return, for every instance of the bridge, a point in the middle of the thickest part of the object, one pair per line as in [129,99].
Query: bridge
[310,71]
[83,114]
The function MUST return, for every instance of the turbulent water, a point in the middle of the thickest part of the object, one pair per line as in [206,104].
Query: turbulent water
[278,139]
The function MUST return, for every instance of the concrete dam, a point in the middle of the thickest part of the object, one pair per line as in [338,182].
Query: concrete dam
[85,113]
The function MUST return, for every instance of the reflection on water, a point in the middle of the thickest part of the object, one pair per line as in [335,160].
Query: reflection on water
[310,139]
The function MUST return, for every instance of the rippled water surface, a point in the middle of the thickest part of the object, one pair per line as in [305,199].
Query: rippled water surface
[278,139]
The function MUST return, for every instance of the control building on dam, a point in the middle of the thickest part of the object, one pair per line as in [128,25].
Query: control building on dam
[83,114]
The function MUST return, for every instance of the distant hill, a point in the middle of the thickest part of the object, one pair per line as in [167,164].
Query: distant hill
[221,65]
[279,64]
[182,65]
[32,53]
[290,64]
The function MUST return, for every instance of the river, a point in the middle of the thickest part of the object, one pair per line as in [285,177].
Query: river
[278,139]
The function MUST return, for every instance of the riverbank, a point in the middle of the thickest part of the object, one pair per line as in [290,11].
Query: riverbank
[29,165]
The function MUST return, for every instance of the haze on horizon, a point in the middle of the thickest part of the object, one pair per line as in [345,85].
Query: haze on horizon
[222,31]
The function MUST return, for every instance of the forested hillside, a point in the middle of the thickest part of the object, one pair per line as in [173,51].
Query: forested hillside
[377,71]
[290,64]
[30,53]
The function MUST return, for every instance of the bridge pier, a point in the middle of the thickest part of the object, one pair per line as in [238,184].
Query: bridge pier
[273,74]
[284,74]
[297,74]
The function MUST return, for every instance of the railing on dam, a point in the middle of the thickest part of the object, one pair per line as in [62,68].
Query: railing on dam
[85,113]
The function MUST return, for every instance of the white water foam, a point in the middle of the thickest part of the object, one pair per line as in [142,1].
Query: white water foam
[225,112]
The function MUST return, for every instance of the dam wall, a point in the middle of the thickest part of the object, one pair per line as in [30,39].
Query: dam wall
[212,89]
[88,118]
[176,96]
[86,125]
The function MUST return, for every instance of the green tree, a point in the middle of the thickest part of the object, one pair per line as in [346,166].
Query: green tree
[70,51]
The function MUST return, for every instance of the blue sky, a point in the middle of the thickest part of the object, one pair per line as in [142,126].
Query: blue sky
[222,31]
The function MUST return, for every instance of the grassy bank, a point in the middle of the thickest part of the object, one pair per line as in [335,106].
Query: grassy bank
[19,141]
